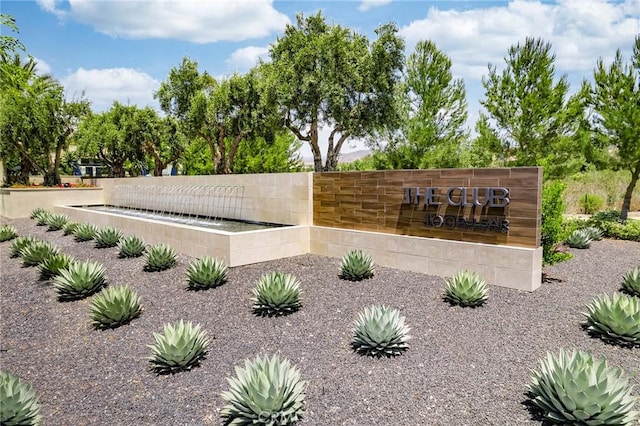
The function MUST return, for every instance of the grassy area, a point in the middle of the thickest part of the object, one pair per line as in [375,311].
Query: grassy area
[610,186]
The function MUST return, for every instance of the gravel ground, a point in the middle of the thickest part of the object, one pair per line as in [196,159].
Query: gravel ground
[463,367]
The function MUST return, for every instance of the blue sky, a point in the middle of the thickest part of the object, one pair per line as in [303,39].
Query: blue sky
[123,49]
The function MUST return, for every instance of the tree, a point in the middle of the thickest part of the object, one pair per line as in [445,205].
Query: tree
[531,115]
[333,76]
[264,156]
[114,136]
[161,138]
[9,44]
[434,133]
[36,121]
[615,98]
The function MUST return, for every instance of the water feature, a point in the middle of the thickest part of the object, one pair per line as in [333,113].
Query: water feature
[209,206]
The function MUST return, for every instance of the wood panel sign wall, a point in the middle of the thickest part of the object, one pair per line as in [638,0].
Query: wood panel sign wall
[493,206]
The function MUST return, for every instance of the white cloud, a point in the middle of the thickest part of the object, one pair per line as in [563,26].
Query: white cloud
[580,32]
[42,67]
[247,57]
[370,4]
[196,21]
[103,86]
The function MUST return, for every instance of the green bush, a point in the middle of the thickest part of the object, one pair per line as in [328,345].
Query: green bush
[160,257]
[7,233]
[591,203]
[466,289]
[630,230]
[356,265]
[206,273]
[615,319]
[380,331]
[277,293]
[552,211]
[20,243]
[18,402]
[114,306]
[631,282]
[180,347]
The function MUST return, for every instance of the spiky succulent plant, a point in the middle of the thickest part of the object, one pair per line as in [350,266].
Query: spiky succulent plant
[37,212]
[69,228]
[356,265]
[631,282]
[20,243]
[466,289]
[52,265]
[206,272]
[85,231]
[594,233]
[577,389]
[276,293]
[18,402]
[267,391]
[107,237]
[57,221]
[35,253]
[79,280]
[43,217]
[615,318]
[380,331]
[7,232]
[180,347]
[131,246]
[160,257]
[580,239]
[114,306]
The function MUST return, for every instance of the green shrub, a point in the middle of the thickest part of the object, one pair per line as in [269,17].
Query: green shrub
[552,216]
[594,233]
[631,282]
[580,239]
[267,391]
[57,221]
[79,280]
[591,203]
[20,243]
[206,273]
[356,265]
[85,232]
[35,213]
[114,306]
[7,233]
[276,293]
[180,347]
[18,402]
[606,216]
[630,230]
[107,237]
[159,258]
[69,228]
[131,246]
[34,254]
[380,331]
[577,389]
[52,265]
[466,289]
[43,217]
[615,318]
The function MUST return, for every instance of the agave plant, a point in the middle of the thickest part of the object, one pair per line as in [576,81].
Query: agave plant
[594,233]
[42,218]
[52,265]
[114,306]
[180,347]
[380,331]
[18,402]
[580,239]
[131,246]
[20,243]
[79,280]
[615,318]
[276,293]
[266,391]
[35,213]
[85,231]
[107,237]
[577,389]
[631,282]
[7,232]
[356,265]
[466,289]
[34,254]
[206,273]
[69,228]
[160,257]
[57,221]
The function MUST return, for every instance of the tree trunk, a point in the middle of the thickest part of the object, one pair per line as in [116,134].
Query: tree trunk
[626,204]
[333,152]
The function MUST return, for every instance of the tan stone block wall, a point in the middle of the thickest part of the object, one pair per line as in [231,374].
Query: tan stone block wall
[19,202]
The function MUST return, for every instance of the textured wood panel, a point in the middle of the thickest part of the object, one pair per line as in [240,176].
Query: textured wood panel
[375,201]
